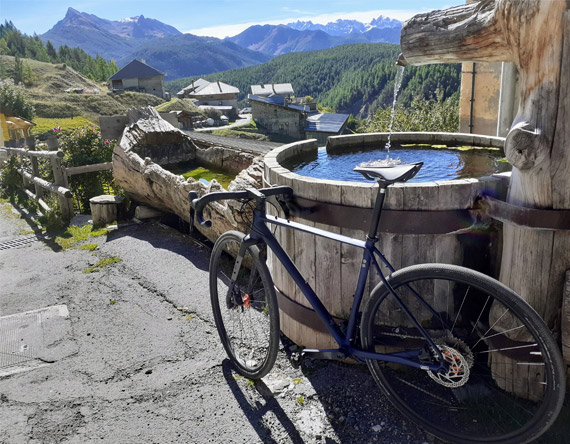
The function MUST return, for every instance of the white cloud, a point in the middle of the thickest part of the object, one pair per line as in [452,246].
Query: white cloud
[365,17]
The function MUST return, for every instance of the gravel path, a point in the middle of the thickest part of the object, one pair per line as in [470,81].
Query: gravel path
[142,363]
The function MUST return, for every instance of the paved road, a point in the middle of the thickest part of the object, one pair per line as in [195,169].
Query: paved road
[244,120]
[140,360]
[247,145]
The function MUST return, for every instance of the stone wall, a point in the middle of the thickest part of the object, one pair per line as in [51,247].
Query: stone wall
[279,120]
[153,85]
[112,127]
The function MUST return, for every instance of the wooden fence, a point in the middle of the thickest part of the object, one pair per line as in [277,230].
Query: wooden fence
[61,174]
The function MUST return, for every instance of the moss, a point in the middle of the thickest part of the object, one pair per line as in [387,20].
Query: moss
[102,263]
[89,247]
[78,233]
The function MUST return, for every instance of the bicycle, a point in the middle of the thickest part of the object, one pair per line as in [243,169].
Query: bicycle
[454,350]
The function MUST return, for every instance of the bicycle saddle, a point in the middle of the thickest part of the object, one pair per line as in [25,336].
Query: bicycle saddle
[391,173]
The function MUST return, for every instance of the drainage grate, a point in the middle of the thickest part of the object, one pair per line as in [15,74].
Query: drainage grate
[23,338]
[21,242]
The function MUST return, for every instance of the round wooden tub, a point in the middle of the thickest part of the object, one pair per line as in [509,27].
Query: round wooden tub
[422,222]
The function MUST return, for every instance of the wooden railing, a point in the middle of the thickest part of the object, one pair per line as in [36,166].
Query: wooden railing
[61,174]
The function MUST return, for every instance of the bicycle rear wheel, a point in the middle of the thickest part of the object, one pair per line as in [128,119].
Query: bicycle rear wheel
[245,308]
[505,382]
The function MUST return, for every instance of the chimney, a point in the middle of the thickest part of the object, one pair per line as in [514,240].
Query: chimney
[219,86]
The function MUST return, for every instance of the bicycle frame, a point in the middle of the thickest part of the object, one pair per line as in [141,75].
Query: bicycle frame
[261,233]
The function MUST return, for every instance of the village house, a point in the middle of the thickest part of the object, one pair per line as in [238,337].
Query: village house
[278,115]
[138,76]
[216,95]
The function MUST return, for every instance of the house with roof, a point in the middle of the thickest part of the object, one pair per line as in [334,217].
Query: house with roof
[217,95]
[273,89]
[140,77]
[14,130]
[279,115]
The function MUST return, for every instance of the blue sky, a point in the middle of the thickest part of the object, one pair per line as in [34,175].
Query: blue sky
[217,18]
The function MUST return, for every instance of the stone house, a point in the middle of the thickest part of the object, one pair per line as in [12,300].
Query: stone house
[138,76]
[217,95]
[277,115]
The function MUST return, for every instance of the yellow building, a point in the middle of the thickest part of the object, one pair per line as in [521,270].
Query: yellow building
[14,130]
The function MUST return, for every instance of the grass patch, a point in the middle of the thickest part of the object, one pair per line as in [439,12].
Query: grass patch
[78,233]
[67,124]
[101,264]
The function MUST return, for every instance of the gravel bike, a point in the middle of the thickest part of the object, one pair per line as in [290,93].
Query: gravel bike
[454,350]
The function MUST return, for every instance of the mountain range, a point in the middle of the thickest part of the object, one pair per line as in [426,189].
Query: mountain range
[181,55]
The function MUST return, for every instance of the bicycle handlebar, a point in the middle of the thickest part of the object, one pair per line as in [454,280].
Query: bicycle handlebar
[197,205]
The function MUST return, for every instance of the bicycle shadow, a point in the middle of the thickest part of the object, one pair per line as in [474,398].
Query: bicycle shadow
[255,413]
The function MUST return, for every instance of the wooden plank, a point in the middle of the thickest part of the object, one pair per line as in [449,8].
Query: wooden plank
[566,319]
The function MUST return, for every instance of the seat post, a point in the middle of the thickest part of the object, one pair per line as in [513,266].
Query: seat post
[374,223]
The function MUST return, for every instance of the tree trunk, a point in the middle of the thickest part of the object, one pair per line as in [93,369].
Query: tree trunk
[147,182]
[535,35]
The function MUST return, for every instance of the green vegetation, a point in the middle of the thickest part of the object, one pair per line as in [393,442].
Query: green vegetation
[89,247]
[84,146]
[67,125]
[180,105]
[206,174]
[78,233]
[47,95]
[355,79]
[101,264]
[14,43]
[14,100]
[433,114]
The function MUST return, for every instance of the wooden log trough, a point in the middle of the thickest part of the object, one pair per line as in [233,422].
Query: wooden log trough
[422,222]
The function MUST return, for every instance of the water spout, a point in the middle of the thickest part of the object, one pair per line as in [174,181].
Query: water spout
[397,84]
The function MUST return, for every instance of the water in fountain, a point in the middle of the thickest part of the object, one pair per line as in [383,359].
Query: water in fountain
[397,84]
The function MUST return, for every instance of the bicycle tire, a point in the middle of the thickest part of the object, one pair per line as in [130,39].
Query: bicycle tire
[495,332]
[247,317]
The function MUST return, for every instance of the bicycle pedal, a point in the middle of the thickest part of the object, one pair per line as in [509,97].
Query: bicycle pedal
[296,359]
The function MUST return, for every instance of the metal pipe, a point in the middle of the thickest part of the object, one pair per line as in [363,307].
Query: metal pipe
[472,99]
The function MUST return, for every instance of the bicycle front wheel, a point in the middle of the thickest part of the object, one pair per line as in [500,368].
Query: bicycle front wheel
[244,305]
[504,381]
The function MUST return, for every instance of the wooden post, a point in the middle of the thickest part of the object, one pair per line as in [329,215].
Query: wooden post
[535,35]
[31,143]
[566,321]
[60,178]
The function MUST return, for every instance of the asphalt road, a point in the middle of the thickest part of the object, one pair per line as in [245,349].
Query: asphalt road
[140,361]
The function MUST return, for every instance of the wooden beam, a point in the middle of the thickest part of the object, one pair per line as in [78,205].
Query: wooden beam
[39,200]
[44,154]
[61,191]
[71,171]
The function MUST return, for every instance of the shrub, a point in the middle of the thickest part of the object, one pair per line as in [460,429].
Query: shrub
[434,114]
[14,101]
[84,146]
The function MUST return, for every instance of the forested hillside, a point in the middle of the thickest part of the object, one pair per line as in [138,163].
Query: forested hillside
[356,79]
[14,43]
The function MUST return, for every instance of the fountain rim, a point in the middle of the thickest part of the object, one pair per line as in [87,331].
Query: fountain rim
[347,143]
